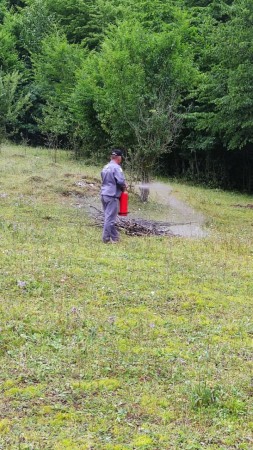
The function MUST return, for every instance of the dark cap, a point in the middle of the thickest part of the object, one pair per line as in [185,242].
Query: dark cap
[116,152]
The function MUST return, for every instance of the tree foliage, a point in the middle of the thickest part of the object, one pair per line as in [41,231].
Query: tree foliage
[13,103]
[162,78]
[137,79]
[55,77]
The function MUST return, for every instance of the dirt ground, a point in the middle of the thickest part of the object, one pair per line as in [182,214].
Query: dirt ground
[184,220]
[176,217]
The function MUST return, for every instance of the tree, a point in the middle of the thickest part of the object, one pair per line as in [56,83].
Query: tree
[13,103]
[138,79]
[3,10]
[9,58]
[55,74]
[225,97]
[33,24]
[155,131]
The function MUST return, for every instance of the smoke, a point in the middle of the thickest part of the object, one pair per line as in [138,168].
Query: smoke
[143,186]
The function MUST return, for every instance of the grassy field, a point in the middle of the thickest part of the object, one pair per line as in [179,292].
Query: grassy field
[142,345]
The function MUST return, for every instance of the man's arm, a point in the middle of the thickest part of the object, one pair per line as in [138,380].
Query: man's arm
[120,178]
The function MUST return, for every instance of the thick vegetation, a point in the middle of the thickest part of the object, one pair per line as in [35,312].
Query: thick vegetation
[142,345]
[170,81]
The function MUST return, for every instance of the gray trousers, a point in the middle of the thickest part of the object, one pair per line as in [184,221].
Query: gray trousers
[110,207]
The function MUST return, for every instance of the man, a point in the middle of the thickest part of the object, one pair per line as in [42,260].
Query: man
[113,183]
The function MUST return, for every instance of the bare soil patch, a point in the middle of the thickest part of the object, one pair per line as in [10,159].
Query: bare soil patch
[181,219]
[249,205]
[36,179]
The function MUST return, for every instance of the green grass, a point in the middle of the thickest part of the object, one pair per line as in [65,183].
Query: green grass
[143,345]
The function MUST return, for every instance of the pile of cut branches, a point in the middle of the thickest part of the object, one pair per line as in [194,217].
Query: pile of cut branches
[136,227]
[139,227]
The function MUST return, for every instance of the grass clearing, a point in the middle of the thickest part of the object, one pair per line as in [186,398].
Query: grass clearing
[143,345]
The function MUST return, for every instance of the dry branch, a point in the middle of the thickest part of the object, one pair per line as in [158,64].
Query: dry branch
[136,227]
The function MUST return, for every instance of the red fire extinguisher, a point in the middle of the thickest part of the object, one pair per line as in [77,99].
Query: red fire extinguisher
[123,204]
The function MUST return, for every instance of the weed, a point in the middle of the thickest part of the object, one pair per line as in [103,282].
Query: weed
[4,426]
[202,395]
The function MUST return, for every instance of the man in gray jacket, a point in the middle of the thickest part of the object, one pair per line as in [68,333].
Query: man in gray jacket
[113,183]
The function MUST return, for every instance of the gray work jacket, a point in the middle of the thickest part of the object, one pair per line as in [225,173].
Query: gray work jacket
[113,180]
